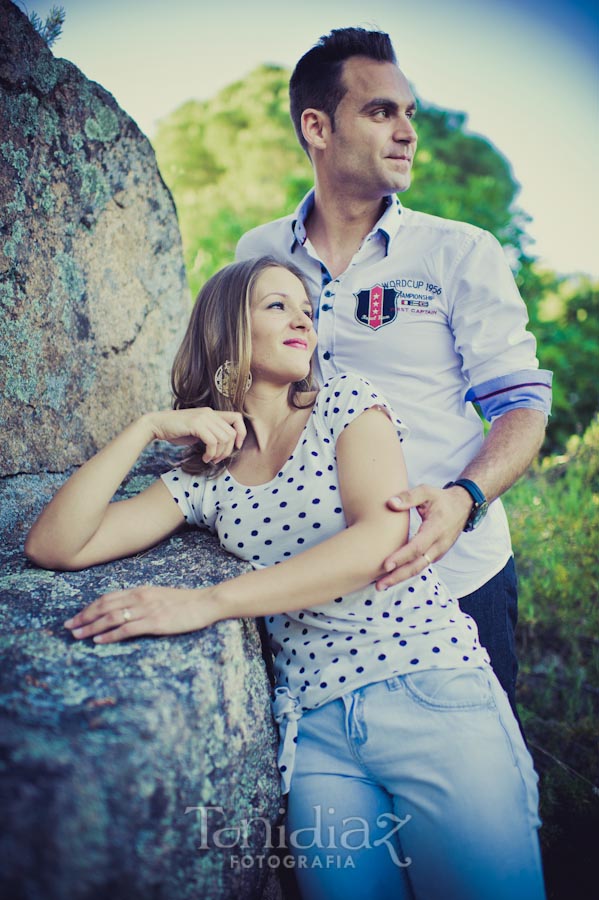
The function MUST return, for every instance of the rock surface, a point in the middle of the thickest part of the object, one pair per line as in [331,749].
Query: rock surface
[121,765]
[93,295]
[103,750]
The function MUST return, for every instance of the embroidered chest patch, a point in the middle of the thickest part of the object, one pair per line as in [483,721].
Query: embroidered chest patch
[376,306]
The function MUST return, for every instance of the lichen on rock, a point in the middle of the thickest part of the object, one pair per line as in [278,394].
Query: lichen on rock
[119,763]
[122,763]
[92,283]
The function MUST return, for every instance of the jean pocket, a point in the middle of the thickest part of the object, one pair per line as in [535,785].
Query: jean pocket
[451,688]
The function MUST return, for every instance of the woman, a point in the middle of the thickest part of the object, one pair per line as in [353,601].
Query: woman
[406,772]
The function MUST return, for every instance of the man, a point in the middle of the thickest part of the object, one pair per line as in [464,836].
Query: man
[428,310]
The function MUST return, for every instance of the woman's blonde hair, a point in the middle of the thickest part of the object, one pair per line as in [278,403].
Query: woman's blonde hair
[219,330]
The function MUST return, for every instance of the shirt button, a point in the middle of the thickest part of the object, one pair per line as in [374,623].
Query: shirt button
[328,293]
[326,355]
[326,307]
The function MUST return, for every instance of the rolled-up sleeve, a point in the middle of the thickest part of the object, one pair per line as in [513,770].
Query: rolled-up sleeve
[526,389]
[489,320]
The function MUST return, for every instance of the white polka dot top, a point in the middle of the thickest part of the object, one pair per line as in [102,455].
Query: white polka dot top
[323,652]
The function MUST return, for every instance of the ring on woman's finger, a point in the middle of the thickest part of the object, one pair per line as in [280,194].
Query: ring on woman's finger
[428,559]
[126,614]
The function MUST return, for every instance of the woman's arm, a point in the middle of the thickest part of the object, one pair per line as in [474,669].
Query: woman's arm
[369,457]
[508,449]
[370,463]
[80,527]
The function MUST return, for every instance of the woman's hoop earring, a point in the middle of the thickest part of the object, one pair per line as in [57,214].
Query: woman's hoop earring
[225,378]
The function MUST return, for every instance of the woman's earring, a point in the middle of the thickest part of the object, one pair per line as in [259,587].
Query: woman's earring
[225,378]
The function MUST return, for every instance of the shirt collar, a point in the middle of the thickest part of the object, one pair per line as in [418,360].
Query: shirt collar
[387,226]
[298,225]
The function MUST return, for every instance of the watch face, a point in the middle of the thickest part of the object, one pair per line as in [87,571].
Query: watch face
[479,511]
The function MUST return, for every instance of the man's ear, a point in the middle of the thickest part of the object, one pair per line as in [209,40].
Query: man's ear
[316,127]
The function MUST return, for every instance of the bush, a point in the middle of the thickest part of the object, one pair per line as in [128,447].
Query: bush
[564,317]
[554,516]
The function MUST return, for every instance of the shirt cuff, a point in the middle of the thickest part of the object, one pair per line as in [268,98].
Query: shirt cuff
[526,389]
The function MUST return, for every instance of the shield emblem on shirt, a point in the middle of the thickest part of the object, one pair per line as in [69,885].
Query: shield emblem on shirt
[376,306]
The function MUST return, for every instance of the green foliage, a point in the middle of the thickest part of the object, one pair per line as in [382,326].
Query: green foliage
[554,518]
[231,163]
[565,320]
[462,176]
[51,29]
[234,162]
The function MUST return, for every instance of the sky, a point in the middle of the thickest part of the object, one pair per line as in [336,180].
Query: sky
[526,73]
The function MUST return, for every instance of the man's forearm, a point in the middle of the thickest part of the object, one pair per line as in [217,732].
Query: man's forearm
[508,449]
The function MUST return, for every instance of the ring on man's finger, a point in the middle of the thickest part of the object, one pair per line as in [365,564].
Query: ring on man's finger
[428,559]
[126,614]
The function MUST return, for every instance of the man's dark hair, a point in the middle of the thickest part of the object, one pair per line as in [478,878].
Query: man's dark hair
[317,83]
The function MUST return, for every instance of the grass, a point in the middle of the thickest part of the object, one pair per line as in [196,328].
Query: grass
[554,518]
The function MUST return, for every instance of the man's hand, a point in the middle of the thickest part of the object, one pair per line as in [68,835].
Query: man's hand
[444,514]
[506,452]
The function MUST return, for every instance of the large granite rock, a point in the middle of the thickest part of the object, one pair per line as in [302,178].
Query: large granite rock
[93,296]
[121,767]
[104,750]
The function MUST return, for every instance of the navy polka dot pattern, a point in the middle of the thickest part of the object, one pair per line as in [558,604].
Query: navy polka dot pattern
[300,506]
[367,636]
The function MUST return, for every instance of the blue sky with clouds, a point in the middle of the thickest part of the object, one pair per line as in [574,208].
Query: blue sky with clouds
[525,71]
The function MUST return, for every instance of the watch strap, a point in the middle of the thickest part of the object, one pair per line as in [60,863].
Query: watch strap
[471,486]
[479,501]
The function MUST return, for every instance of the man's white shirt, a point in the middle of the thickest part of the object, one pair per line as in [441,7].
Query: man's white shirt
[428,311]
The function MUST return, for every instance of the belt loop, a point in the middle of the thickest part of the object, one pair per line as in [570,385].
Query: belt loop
[394,683]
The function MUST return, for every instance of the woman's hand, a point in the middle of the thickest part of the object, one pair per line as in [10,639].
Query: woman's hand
[221,432]
[144,610]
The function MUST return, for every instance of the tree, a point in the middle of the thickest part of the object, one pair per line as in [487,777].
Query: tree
[234,162]
[51,29]
[231,162]
[565,319]
[462,176]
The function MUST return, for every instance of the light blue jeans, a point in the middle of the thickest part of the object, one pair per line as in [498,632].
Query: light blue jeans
[415,788]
